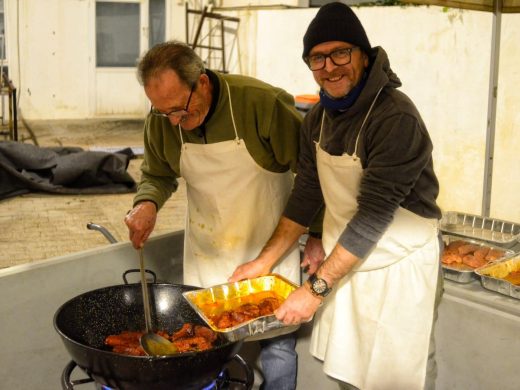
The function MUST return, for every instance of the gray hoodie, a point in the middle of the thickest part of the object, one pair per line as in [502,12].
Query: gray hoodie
[396,155]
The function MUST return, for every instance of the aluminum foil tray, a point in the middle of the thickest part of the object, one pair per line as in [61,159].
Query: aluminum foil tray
[492,276]
[462,273]
[491,230]
[214,300]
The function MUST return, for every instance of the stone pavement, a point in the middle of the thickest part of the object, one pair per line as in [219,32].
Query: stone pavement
[39,226]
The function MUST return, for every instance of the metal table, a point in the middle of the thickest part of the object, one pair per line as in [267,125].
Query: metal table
[477,333]
[478,338]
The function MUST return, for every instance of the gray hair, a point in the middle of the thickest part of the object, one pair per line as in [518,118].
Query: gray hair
[173,55]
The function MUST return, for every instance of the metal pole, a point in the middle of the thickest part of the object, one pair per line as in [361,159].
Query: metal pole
[199,28]
[1,75]
[15,117]
[187,22]
[10,108]
[223,45]
[492,108]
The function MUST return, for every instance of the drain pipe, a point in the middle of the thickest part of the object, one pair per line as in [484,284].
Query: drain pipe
[104,231]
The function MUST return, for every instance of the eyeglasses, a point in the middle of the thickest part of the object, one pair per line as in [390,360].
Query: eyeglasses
[174,113]
[338,57]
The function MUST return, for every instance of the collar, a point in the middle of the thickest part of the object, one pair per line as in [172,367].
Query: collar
[215,83]
[345,102]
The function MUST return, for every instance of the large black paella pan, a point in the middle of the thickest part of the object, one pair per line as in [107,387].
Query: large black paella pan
[84,321]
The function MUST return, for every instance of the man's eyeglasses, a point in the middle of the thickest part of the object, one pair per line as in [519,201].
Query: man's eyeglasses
[174,113]
[338,57]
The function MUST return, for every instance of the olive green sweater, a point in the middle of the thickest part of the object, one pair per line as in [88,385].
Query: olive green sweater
[265,117]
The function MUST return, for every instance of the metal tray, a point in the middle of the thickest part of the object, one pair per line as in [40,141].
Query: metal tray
[216,299]
[491,276]
[492,230]
[464,273]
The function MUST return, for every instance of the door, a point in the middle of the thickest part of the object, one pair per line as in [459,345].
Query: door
[124,30]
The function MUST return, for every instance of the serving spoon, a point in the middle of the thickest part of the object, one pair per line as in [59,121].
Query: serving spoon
[152,343]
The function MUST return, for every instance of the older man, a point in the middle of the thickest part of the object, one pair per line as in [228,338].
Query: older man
[234,140]
[365,152]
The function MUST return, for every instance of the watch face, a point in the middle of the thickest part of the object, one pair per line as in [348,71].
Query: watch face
[319,286]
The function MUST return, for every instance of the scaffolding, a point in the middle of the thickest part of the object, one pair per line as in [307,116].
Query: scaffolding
[211,36]
[9,125]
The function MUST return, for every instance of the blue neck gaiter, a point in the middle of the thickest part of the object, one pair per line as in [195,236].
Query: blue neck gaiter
[345,102]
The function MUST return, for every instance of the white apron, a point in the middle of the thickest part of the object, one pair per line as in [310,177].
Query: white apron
[233,208]
[374,330]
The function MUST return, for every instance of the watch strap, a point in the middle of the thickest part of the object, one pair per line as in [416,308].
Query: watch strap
[313,281]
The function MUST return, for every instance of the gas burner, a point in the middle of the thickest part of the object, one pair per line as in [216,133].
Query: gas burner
[223,381]
[212,386]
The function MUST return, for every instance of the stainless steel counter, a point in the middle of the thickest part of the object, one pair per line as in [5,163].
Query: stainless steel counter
[33,356]
[478,339]
[477,332]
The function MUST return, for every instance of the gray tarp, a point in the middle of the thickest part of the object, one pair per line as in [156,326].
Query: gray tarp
[28,168]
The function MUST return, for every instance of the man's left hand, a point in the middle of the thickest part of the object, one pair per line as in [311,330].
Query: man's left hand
[313,255]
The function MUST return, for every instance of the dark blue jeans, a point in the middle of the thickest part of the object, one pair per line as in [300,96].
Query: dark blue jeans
[279,362]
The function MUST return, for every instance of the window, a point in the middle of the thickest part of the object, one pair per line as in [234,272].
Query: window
[157,12]
[117,34]
[2,31]
[319,3]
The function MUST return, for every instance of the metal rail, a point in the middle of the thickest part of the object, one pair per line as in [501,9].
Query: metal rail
[204,15]
[492,108]
[13,112]
[103,230]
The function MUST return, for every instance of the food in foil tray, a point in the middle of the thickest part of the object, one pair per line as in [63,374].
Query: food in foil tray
[513,278]
[243,309]
[463,254]
[508,270]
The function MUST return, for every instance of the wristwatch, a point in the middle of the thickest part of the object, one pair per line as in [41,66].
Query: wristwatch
[319,287]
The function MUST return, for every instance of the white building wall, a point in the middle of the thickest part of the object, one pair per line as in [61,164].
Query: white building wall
[53,56]
[443,59]
[441,55]
[54,67]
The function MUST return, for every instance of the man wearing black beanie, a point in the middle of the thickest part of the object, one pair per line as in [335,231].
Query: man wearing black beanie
[366,154]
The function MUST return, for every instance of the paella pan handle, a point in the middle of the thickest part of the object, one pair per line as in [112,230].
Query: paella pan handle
[66,383]
[134,270]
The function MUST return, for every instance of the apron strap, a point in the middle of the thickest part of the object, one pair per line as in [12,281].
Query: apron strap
[362,124]
[364,120]
[232,120]
[232,116]
[180,133]
[321,127]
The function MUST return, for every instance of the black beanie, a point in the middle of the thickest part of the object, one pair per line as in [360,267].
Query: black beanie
[335,22]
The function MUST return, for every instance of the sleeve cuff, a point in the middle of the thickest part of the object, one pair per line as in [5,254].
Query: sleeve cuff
[315,235]
[355,243]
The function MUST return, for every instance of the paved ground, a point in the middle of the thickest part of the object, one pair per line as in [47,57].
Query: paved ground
[39,226]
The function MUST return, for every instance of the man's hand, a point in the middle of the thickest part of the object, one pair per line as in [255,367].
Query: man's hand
[313,255]
[299,307]
[250,270]
[140,222]
[301,304]
[283,237]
